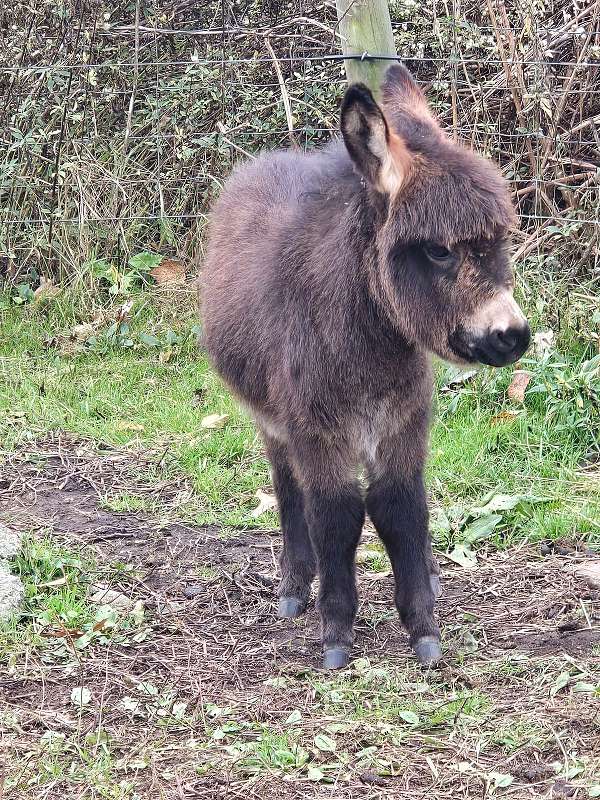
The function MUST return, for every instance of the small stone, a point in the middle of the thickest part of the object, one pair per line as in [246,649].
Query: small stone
[10,542]
[11,593]
[589,572]
[569,625]
[194,590]
[373,779]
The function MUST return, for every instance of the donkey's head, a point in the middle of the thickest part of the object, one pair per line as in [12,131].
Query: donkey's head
[442,270]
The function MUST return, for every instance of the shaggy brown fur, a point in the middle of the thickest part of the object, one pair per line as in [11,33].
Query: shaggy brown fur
[330,279]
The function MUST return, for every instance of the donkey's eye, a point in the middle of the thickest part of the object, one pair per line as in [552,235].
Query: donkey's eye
[437,252]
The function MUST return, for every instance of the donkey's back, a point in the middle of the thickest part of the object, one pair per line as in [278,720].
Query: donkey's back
[261,210]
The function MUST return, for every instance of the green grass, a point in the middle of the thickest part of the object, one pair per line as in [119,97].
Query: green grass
[149,386]
[58,618]
[405,699]
[126,502]
[131,395]
[55,598]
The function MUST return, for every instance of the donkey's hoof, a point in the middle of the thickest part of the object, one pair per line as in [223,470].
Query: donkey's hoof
[427,650]
[335,658]
[290,607]
[436,585]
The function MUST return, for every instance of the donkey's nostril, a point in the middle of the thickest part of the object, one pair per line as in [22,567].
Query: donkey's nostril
[504,341]
[501,347]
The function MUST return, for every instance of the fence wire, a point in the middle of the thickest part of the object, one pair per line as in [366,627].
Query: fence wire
[119,125]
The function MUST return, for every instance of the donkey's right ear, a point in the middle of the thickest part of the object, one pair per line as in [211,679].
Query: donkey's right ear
[378,153]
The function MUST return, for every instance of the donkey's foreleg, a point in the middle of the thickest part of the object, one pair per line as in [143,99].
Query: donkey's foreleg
[336,520]
[397,504]
[297,562]
[335,514]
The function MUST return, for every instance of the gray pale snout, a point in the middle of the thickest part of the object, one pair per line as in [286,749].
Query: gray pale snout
[498,333]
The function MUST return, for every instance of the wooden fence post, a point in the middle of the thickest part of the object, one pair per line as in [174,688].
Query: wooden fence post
[365,27]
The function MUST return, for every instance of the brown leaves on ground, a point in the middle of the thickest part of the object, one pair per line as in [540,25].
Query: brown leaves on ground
[170,272]
[214,421]
[504,416]
[46,290]
[589,573]
[266,502]
[125,426]
[520,382]
[72,342]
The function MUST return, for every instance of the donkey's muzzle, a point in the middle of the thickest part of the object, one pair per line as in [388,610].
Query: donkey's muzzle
[496,347]
[500,347]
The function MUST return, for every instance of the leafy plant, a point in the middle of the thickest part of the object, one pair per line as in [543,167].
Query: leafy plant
[24,294]
[270,751]
[121,282]
[463,528]
[569,390]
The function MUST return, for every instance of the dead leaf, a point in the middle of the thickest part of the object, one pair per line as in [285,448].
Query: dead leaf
[46,290]
[105,596]
[170,272]
[62,633]
[504,416]
[49,584]
[458,377]
[463,555]
[520,381]
[123,312]
[589,572]
[80,333]
[214,421]
[266,502]
[542,342]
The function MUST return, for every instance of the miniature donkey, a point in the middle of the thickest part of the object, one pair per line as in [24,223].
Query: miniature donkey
[330,279]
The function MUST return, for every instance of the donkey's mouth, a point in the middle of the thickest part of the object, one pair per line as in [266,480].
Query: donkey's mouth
[461,348]
[493,359]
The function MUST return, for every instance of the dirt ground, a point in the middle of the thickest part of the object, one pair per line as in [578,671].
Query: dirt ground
[512,627]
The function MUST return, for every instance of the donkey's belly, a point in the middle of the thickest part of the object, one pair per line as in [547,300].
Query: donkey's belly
[373,423]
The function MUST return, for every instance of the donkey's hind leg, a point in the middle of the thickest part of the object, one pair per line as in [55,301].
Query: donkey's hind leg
[297,562]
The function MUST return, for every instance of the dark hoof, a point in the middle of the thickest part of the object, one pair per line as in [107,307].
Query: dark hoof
[427,650]
[436,585]
[335,658]
[290,607]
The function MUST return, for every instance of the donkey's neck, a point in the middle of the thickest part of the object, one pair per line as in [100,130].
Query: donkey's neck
[340,220]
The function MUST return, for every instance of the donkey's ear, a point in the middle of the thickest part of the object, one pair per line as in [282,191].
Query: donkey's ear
[401,93]
[379,154]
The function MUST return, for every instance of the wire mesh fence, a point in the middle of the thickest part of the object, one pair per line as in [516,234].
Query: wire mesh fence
[119,121]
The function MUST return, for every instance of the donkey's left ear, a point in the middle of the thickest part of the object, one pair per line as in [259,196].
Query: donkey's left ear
[379,154]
